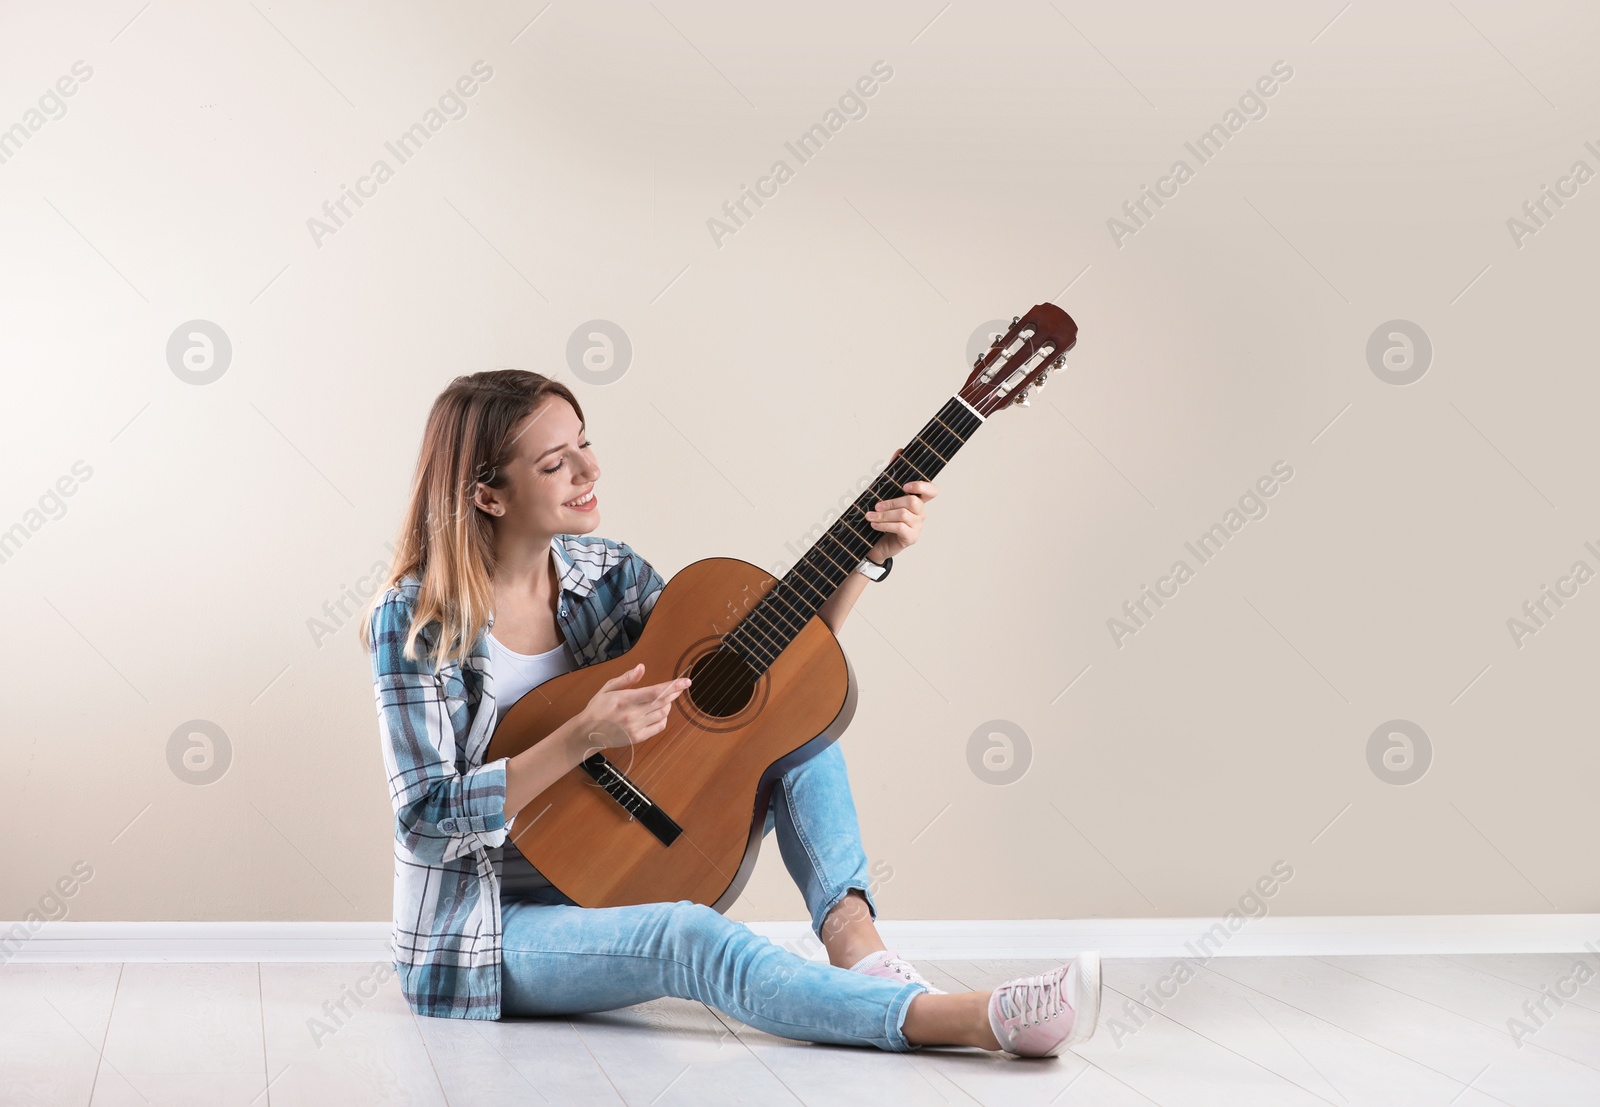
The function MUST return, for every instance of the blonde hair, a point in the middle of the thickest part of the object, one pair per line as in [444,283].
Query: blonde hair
[446,540]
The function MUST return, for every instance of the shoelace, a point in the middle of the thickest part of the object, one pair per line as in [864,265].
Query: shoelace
[1033,997]
[899,967]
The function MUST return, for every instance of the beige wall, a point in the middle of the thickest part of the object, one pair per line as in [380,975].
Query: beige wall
[773,367]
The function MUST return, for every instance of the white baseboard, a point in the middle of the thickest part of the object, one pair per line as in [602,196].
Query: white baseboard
[930,940]
[199,941]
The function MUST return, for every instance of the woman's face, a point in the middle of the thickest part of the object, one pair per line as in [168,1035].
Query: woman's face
[553,465]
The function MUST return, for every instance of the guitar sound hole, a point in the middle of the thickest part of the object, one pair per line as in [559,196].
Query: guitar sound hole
[723,683]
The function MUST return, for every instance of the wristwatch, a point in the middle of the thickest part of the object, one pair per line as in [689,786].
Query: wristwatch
[872,570]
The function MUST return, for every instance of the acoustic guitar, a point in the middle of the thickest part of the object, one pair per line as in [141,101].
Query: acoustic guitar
[680,815]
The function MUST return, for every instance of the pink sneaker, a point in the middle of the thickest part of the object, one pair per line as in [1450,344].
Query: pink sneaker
[887,964]
[1034,1016]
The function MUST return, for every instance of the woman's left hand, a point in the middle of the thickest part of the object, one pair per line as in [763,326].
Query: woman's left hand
[900,519]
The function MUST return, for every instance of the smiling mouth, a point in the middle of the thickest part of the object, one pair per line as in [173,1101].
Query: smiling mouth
[581,500]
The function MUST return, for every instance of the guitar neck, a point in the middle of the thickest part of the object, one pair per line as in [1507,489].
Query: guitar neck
[784,611]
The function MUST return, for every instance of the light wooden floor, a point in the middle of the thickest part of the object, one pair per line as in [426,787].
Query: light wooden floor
[1275,1031]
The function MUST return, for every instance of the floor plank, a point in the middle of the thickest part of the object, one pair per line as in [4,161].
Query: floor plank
[1483,1059]
[673,1051]
[53,1021]
[363,1051]
[1179,1067]
[1322,1058]
[515,1061]
[1540,970]
[814,1072]
[183,1034]
[1559,1025]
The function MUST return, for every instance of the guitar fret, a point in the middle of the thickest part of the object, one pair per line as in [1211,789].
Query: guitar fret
[773,643]
[757,657]
[852,530]
[843,547]
[803,562]
[773,638]
[790,623]
[920,474]
[790,628]
[777,594]
[936,454]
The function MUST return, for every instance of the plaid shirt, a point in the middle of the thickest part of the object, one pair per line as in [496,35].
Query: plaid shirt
[449,805]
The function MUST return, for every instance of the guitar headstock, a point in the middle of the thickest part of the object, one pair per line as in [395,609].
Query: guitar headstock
[1020,359]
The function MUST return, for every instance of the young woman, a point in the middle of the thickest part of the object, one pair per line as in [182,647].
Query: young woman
[499,584]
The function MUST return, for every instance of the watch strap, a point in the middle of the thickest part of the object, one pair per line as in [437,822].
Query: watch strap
[872,570]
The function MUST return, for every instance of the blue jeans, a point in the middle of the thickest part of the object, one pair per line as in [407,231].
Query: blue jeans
[561,959]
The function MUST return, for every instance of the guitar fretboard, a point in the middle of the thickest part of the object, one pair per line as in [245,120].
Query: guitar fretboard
[783,612]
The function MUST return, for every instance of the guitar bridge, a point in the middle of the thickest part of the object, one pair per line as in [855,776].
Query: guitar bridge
[631,798]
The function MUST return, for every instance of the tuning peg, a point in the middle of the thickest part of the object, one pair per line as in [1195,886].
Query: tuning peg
[1044,376]
[1022,398]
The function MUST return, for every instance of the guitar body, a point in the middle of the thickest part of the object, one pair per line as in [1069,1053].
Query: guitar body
[711,770]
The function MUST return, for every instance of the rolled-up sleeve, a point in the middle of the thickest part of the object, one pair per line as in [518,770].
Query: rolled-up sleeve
[440,812]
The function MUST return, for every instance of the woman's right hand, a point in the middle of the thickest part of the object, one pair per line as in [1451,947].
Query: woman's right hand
[620,714]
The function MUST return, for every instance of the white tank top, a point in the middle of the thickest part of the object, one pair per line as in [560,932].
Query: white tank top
[515,674]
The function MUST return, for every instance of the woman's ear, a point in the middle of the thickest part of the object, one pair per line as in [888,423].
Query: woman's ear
[482,499]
